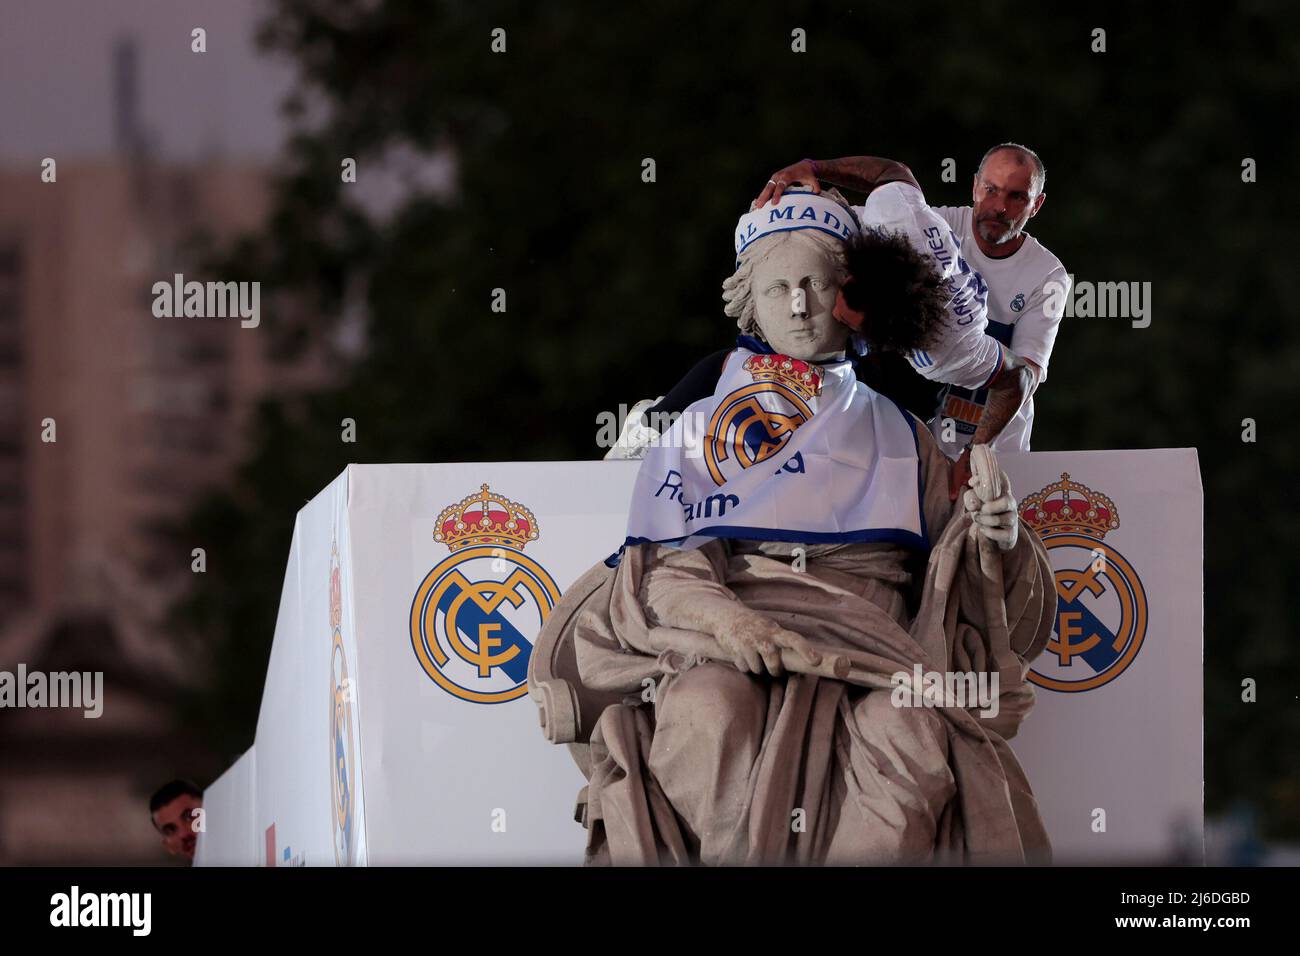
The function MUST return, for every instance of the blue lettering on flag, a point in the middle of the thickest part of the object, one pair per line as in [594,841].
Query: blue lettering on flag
[794,466]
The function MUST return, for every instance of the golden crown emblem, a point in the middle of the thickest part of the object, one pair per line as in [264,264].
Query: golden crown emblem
[485,518]
[1067,506]
[802,377]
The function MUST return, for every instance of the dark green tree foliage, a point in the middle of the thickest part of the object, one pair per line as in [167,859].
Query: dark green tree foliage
[613,283]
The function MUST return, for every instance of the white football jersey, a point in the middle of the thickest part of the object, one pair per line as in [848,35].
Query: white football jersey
[963,355]
[1026,295]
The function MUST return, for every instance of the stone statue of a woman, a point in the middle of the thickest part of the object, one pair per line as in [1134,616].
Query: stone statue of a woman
[793,562]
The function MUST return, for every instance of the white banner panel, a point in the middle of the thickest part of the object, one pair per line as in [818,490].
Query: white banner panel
[229,835]
[1115,739]
[309,804]
[419,661]
[457,768]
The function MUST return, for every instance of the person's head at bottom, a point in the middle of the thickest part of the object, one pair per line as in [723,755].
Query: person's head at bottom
[171,809]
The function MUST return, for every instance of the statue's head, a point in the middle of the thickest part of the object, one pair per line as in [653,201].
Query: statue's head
[808,276]
[789,270]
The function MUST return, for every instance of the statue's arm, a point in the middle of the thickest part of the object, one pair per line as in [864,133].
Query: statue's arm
[684,590]
[698,383]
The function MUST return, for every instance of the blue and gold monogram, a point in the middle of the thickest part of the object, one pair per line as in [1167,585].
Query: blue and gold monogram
[1101,613]
[474,615]
[756,421]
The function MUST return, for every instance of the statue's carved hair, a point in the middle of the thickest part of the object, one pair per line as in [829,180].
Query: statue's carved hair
[737,289]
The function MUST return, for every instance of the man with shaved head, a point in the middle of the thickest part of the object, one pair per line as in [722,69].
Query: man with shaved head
[175,809]
[1017,270]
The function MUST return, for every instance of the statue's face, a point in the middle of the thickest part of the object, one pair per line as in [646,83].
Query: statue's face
[794,297]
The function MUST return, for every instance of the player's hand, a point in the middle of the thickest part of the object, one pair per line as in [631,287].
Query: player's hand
[802,172]
[959,474]
[755,646]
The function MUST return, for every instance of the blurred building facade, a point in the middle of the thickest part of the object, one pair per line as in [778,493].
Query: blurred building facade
[145,414]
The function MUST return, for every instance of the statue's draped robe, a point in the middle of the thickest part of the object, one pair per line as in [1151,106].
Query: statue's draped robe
[725,767]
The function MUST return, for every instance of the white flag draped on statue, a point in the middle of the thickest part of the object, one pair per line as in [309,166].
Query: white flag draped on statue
[757,460]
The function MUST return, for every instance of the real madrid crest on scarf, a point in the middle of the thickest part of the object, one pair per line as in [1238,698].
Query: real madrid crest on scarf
[471,612]
[784,450]
[753,423]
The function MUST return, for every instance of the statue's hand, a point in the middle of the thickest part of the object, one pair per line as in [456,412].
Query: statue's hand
[755,644]
[989,501]
[996,520]
[636,438]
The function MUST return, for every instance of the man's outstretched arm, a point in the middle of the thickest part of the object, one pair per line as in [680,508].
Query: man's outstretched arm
[859,173]
[1010,388]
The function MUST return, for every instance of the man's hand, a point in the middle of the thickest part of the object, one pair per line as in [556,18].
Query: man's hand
[803,172]
[859,173]
[755,645]
[959,474]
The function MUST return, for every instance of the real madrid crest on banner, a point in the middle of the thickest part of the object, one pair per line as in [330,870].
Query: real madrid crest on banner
[755,422]
[474,615]
[343,751]
[1101,616]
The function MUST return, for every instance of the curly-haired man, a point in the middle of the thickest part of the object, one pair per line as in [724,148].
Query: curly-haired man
[1016,275]
[890,287]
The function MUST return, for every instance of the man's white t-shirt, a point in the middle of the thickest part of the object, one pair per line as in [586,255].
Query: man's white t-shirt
[1027,291]
[963,355]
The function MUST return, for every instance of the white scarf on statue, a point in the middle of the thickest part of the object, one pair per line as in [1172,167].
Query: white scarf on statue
[784,450]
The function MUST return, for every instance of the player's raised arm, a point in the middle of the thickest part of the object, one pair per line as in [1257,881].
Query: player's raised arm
[1009,389]
[859,173]
[1014,383]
